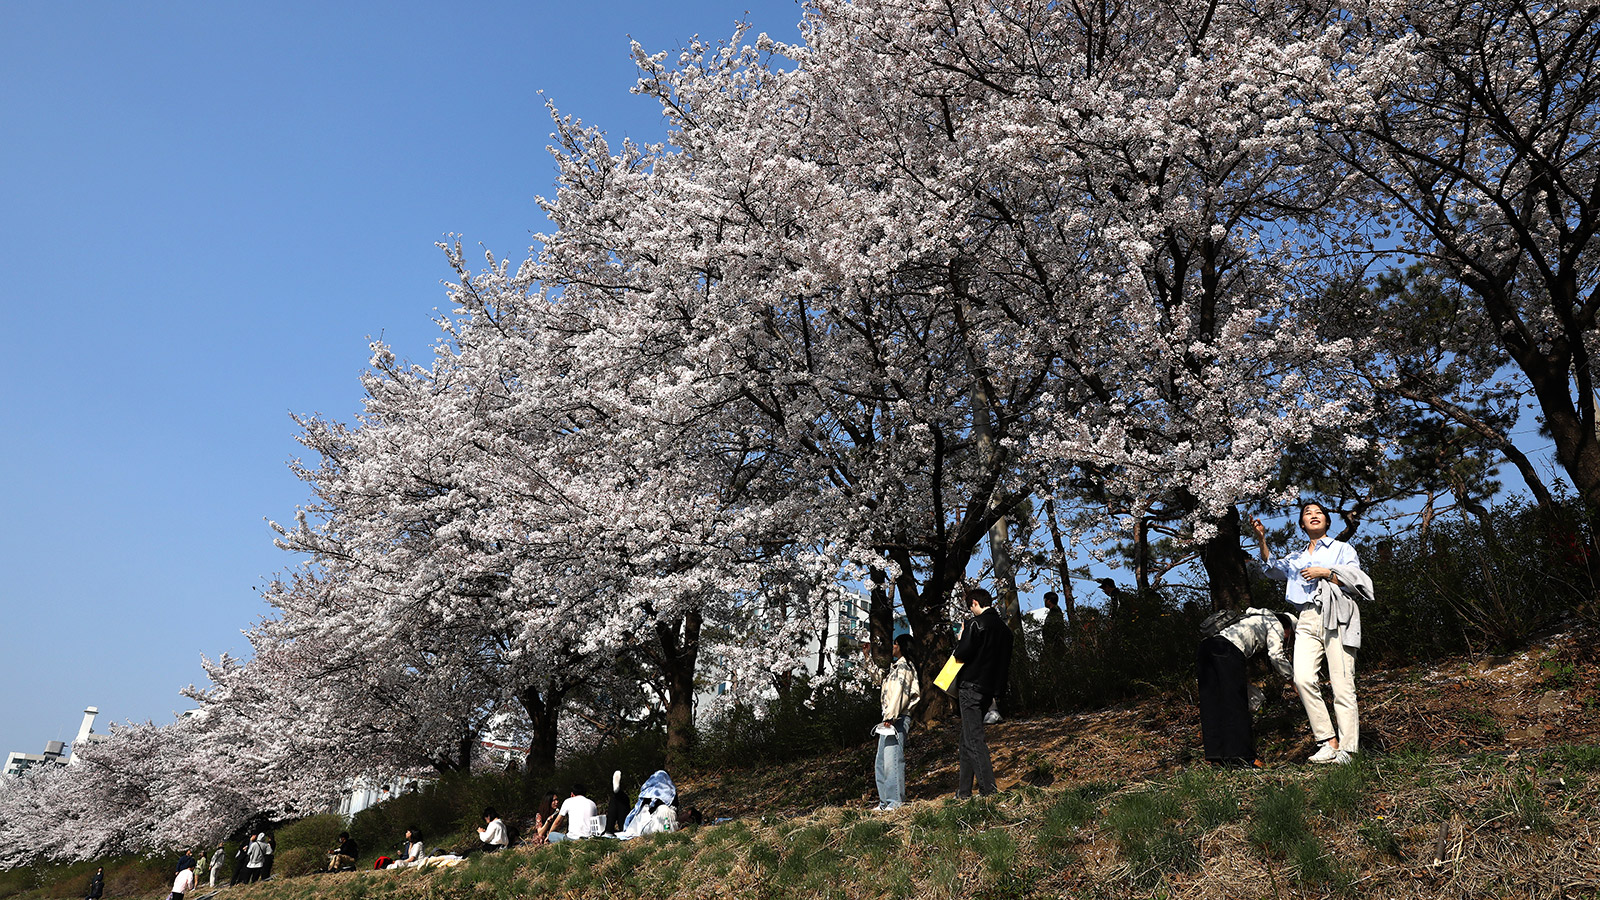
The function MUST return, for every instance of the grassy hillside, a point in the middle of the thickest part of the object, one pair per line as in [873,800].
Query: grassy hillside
[1479,778]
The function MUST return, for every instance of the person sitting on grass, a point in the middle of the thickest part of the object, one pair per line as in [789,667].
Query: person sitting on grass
[344,855]
[580,814]
[492,836]
[546,811]
[412,854]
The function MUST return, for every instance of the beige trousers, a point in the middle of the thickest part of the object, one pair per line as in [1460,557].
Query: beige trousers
[1313,645]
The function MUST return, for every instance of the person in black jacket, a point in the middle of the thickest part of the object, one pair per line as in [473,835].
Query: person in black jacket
[97,885]
[985,656]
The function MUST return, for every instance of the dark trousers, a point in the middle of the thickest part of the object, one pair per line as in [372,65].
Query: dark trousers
[1224,702]
[975,764]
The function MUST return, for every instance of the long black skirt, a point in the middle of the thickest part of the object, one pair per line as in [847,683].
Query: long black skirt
[1225,703]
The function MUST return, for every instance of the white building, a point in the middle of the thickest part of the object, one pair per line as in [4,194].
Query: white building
[54,755]
[55,752]
[839,646]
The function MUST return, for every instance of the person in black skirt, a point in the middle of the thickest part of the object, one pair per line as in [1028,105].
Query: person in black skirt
[1223,663]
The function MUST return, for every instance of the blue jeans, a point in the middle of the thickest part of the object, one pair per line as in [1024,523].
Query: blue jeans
[891,766]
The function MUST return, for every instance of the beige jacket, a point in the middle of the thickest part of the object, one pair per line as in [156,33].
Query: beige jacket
[901,691]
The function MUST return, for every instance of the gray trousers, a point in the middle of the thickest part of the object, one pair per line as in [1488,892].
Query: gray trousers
[975,764]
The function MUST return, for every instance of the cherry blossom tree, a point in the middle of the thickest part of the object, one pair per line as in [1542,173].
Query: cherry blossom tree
[1482,143]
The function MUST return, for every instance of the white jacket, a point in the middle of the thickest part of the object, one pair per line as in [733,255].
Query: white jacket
[901,692]
[1260,629]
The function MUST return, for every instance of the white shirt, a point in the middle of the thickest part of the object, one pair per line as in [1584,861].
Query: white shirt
[1327,553]
[184,883]
[494,834]
[580,812]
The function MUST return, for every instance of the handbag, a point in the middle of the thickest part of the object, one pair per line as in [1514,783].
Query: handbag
[946,681]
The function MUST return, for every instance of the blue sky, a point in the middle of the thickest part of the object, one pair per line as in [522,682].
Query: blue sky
[206,211]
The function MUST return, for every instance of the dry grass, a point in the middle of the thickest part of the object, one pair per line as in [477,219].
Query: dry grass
[1479,779]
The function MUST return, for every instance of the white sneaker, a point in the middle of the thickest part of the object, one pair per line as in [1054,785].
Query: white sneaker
[1327,753]
[991,717]
[1345,757]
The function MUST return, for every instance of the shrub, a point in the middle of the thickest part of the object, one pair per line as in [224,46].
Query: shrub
[802,721]
[1495,578]
[298,861]
[314,835]
[1145,643]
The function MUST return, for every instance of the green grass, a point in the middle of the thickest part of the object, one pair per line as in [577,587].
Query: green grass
[1148,830]
[1278,822]
[1340,792]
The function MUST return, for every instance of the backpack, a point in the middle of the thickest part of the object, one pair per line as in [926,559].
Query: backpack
[1220,621]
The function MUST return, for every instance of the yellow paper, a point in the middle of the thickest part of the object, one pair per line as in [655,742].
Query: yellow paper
[947,676]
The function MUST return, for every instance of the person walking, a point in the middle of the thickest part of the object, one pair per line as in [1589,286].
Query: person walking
[1222,663]
[900,694]
[97,884]
[217,859]
[1322,585]
[984,652]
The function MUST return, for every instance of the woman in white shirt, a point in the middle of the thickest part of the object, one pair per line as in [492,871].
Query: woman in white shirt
[493,834]
[412,852]
[1303,574]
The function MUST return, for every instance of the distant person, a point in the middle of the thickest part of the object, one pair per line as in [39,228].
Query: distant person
[217,859]
[201,865]
[344,855]
[617,806]
[97,885]
[185,861]
[492,836]
[1054,632]
[984,652]
[241,862]
[1322,584]
[255,866]
[1222,662]
[272,847]
[578,812]
[183,883]
[899,694]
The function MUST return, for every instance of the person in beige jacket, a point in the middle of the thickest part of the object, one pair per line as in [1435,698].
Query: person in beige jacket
[901,692]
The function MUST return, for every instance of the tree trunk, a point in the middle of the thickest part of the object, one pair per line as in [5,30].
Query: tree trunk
[880,619]
[925,611]
[1226,572]
[1069,606]
[680,652]
[1005,584]
[544,714]
[1141,556]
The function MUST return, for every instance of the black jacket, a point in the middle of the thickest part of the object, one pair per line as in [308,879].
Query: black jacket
[985,652]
